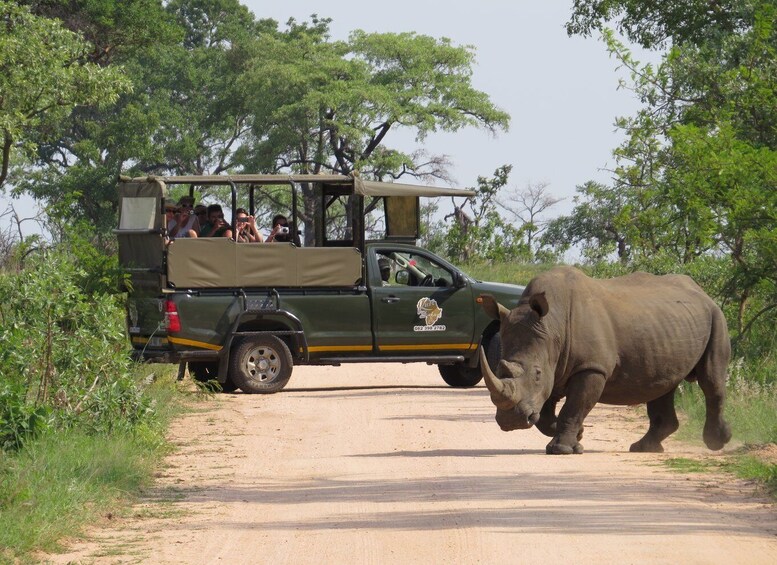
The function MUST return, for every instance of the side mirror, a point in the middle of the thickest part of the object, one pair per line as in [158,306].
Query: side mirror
[402,277]
[458,280]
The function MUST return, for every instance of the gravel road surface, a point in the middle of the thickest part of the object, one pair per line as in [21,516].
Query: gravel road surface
[377,464]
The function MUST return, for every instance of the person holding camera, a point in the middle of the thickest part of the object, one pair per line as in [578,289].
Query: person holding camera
[281,232]
[184,222]
[216,226]
[245,227]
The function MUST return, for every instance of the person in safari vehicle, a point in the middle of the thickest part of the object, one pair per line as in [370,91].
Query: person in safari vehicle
[217,225]
[246,228]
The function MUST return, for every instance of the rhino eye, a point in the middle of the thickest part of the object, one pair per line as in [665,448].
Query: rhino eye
[537,374]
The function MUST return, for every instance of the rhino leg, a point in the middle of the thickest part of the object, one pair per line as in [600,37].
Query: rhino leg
[711,374]
[547,422]
[663,423]
[583,392]
[717,432]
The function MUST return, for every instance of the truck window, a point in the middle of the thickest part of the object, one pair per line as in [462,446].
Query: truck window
[412,269]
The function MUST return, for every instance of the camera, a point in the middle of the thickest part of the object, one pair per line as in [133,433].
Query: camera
[284,230]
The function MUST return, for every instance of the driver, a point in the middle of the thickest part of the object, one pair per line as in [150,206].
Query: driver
[385,271]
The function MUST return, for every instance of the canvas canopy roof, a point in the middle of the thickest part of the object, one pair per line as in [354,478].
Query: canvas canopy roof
[360,186]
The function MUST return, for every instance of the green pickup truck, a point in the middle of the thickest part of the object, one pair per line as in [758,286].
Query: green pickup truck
[244,314]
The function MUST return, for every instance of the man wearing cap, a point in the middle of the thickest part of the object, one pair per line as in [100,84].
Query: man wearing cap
[385,271]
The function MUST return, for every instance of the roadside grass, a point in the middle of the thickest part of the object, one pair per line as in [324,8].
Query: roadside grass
[512,273]
[751,410]
[65,479]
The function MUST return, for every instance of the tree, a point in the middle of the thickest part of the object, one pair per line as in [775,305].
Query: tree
[477,231]
[220,91]
[527,206]
[596,224]
[185,115]
[697,174]
[43,76]
[653,23]
[329,106]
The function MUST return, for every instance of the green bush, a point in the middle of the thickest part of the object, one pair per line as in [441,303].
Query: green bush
[64,358]
[18,419]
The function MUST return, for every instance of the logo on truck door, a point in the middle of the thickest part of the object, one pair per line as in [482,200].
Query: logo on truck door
[429,312]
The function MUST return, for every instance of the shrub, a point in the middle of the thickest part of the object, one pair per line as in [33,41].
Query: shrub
[64,358]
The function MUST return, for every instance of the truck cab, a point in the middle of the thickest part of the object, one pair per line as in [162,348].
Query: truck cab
[244,314]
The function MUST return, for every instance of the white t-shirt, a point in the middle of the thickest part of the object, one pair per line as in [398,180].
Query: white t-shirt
[183,232]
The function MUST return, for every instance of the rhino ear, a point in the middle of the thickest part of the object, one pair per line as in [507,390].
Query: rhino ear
[492,307]
[539,303]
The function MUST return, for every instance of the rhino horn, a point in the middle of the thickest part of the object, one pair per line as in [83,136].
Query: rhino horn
[500,394]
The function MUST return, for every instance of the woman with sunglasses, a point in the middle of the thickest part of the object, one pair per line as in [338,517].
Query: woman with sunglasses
[246,228]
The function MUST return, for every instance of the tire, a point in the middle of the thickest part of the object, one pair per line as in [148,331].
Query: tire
[207,371]
[462,376]
[494,351]
[260,365]
[459,375]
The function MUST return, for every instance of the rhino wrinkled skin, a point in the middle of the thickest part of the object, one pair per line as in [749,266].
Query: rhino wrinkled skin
[627,340]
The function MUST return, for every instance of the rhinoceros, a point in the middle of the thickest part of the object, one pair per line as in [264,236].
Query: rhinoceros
[627,340]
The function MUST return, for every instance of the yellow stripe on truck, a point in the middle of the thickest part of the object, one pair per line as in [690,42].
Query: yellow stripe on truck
[201,344]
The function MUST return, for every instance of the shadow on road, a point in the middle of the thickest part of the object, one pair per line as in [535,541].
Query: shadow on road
[525,502]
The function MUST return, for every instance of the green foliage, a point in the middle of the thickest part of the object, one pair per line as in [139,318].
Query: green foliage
[64,352]
[217,91]
[511,272]
[696,179]
[750,402]
[43,76]
[67,478]
[598,224]
[742,464]
[651,23]
[19,420]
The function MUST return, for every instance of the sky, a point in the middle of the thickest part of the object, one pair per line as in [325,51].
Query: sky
[561,93]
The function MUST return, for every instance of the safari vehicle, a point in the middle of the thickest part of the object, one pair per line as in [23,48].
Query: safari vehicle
[245,313]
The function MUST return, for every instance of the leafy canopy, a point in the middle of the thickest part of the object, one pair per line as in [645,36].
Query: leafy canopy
[43,77]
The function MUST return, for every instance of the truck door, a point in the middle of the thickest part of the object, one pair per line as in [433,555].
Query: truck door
[141,255]
[419,311]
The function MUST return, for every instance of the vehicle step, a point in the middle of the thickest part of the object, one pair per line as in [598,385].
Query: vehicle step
[396,359]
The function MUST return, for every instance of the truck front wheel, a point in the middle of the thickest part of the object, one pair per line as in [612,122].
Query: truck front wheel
[459,375]
[462,376]
[260,365]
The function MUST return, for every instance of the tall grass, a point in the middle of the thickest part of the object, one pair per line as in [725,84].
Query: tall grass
[512,273]
[68,477]
[751,409]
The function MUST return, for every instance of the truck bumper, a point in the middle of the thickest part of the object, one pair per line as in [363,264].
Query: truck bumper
[170,356]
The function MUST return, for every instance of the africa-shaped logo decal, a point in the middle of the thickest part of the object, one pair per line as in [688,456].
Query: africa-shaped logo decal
[429,312]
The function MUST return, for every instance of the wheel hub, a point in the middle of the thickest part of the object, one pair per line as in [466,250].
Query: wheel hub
[263,363]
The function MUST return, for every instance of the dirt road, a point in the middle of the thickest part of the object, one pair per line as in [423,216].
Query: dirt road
[385,464]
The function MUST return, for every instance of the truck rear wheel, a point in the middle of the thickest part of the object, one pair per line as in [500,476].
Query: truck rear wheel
[260,365]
